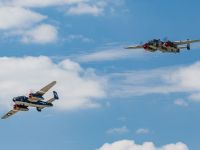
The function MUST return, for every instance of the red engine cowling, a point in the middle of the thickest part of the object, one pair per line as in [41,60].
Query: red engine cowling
[168,44]
[146,46]
[20,107]
[30,95]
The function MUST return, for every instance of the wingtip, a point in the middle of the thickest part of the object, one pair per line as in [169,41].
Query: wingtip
[54,82]
[3,117]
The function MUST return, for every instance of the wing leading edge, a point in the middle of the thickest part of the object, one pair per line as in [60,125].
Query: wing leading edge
[46,88]
[10,113]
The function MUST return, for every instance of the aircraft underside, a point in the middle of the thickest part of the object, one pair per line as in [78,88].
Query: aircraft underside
[165,50]
[31,104]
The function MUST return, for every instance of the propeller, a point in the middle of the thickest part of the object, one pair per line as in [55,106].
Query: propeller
[30,92]
[11,104]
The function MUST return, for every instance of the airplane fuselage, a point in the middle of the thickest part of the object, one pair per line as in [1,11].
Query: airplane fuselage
[24,101]
[168,49]
[157,45]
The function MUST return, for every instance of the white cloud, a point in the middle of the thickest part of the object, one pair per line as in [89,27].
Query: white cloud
[120,130]
[18,18]
[84,8]
[23,23]
[131,145]
[41,34]
[137,83]
[76,86]
[74,7]
[79,37]
[195,97]
[39,3]
[142,131]
[157,81]
[109,55]
[181,102]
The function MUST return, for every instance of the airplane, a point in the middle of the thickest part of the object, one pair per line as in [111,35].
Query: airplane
[168,46]
[33,100]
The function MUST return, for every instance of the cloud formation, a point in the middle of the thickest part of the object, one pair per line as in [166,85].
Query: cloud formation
[41,34]
[120,130]
[78,37]
[142,131]
[18,18]
[158,81]
[77,87]
[87,9]
[131,145]
[27,25]
[181,102]
[40,3]
[109,55]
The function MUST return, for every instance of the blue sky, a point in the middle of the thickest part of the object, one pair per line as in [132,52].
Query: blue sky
[107,94]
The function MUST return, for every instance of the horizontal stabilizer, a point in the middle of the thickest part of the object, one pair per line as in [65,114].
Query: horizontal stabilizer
[55,97]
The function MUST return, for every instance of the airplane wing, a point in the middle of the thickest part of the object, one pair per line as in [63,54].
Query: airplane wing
[10,113]
[185,42]
[46,88]
[134,47]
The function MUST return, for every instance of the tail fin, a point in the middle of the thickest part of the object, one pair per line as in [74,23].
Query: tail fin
[188,45]
[55,94]
[55,97]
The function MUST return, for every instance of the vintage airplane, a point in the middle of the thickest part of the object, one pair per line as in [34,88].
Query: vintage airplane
[168,46]
[33,100]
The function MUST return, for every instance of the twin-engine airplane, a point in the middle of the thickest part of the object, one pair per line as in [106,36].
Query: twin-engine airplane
[33,100]
[168,46]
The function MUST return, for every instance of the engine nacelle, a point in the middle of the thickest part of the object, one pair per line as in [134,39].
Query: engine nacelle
[168,44]
[30,95]
[146,46]
[20,108]
[35,97]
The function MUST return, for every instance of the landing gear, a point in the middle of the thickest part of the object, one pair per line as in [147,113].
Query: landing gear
[38,109]
[188,47]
